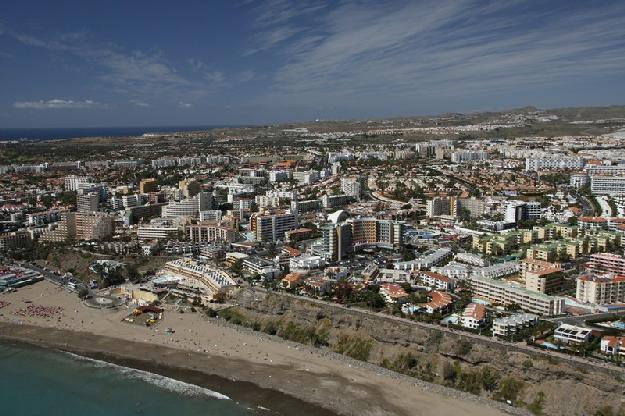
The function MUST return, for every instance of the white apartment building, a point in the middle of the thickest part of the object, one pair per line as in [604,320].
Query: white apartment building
[558,162]
[264,201]
[436,280]
[279,175]
[571,334]
[211,215]
[306,262]
[579,180]
[473,316]
[306,177]
[464,156]
[496,270]
[602,289]
[163,163]
[425,262]
[157,230]
[333,201]
[272,227]
[607,185]
[508,325]
[353,186]
[72,182]
[505,293]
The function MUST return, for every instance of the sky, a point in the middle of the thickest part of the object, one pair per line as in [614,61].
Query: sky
[76,63]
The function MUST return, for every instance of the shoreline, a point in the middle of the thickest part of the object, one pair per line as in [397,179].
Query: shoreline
[239,391]
[206,352]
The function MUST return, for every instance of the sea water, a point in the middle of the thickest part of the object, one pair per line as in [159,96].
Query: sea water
[35,381]
[75,132]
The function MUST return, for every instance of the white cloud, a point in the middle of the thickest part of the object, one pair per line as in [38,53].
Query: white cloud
[214,76]
[276,20]
[182,104]
[435,48]
[128,71]
[246,76]
[55,104]
[139,103]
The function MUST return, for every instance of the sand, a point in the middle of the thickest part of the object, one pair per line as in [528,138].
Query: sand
[201,346]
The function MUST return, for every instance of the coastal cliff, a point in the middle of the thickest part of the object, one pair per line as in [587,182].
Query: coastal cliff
[541,383]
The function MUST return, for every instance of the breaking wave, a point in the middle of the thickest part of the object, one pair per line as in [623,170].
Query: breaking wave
[158,380]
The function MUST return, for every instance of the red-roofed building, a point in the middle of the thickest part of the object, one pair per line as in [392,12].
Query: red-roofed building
[613,345]
[439,302]
[392,292]
[474,316]
[436,280]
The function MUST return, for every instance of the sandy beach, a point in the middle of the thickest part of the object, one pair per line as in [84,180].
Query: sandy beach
[217,355]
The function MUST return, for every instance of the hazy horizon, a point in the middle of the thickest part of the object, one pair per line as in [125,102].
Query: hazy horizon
[77,64]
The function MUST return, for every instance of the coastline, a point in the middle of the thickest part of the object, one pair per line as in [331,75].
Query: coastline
[240,391]
[246,365]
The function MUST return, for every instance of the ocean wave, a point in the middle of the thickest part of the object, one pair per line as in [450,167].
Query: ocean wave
[158,380]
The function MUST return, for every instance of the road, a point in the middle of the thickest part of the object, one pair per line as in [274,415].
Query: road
[53,278]
[587,208]
[581,319]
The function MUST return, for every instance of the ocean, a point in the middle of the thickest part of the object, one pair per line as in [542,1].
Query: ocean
[71,133]
[36,381]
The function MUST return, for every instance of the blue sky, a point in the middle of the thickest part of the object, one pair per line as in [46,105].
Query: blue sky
[125,63]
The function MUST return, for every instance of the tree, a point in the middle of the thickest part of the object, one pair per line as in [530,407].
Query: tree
[83,293]
[133,274]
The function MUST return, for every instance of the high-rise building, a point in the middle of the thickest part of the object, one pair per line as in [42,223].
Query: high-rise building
[337,241]
[601,289]
[521,211]
[353,186]
[72,182]
[272,227]
[94,225]
[189,207]
[445,205]
[87,202]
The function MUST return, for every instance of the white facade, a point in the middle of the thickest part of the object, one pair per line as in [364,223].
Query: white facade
[571,334]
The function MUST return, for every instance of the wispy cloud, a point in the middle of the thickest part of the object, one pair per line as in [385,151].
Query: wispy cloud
[182,104]
[139,103]
[132,71]
[277,21]
[214,76]
[55,104]
[446,48]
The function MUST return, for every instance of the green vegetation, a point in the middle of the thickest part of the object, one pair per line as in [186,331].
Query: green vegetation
[510,391]
[354,347]
[536,406]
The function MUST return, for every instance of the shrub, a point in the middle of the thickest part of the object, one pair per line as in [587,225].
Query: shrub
[354,347]
[510,390]
[470,382]
[462,348]
[536,406]
[451,372]
[489,379]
